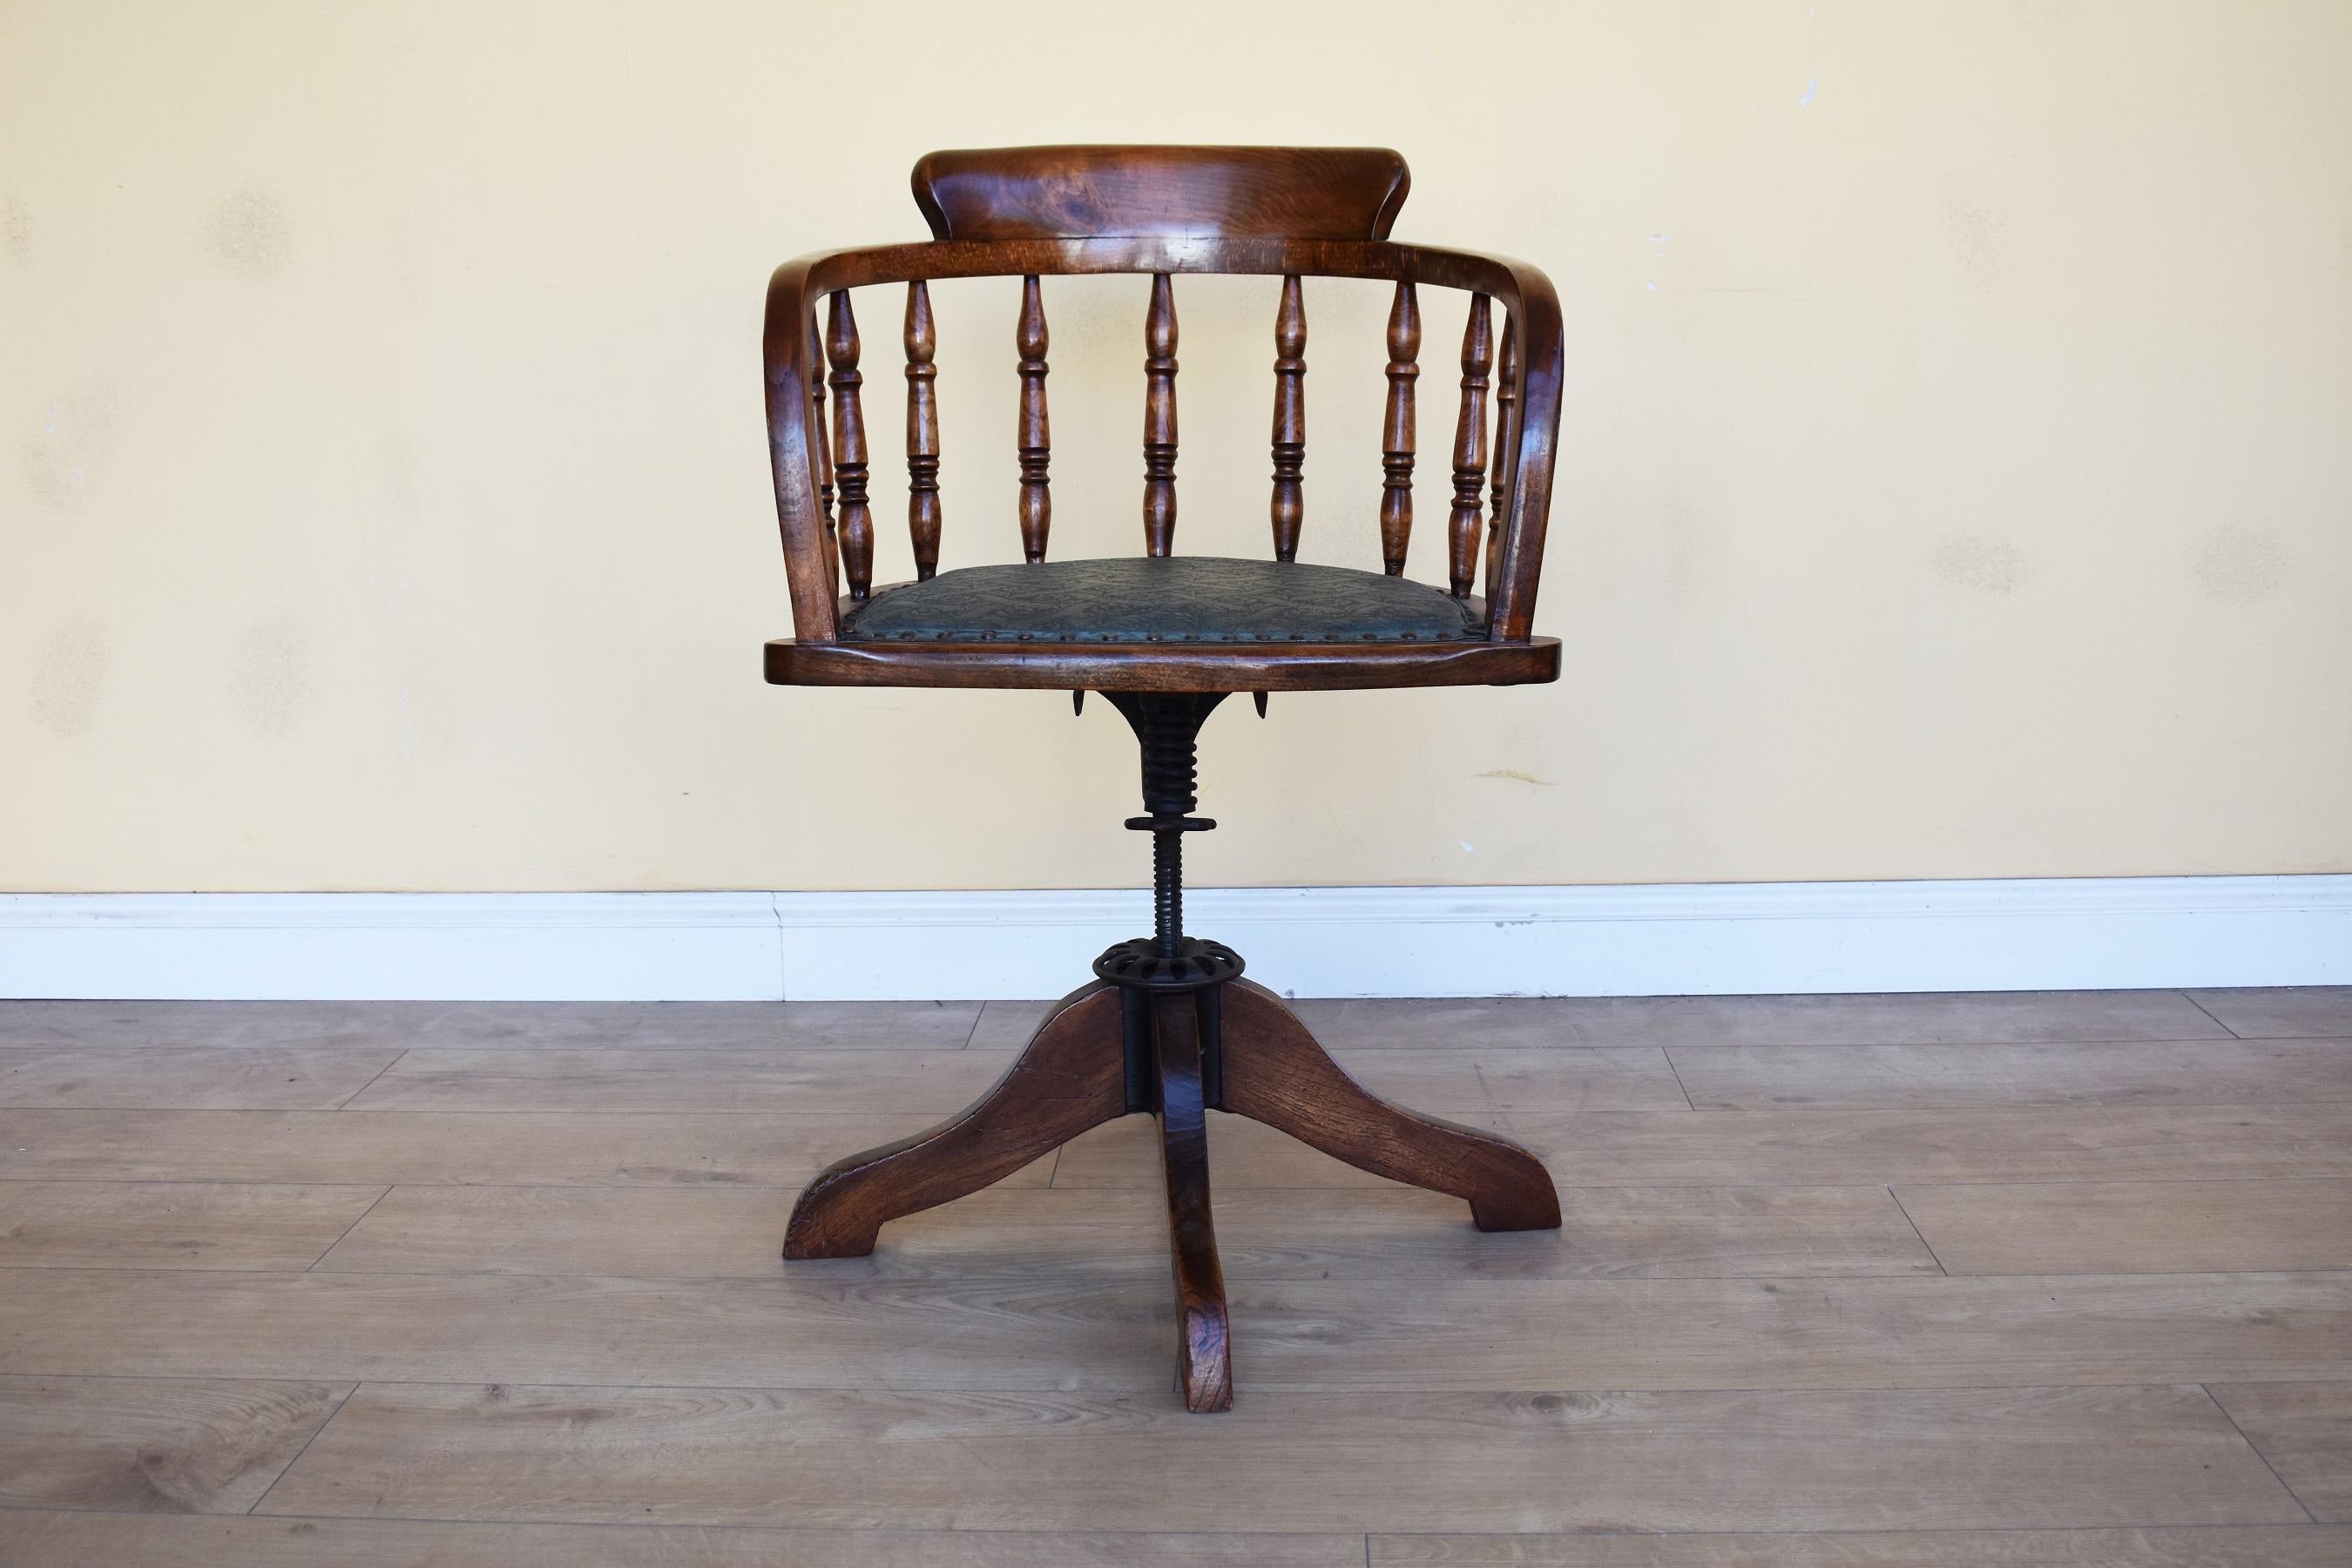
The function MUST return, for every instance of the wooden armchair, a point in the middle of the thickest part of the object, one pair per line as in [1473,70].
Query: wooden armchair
[1169,1026]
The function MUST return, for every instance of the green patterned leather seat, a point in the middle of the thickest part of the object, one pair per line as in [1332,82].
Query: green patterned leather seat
[1178,598]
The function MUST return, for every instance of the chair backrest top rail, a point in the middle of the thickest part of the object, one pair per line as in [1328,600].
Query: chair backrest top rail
[1067,192]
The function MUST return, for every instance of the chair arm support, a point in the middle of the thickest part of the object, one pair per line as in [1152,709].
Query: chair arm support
[792,448]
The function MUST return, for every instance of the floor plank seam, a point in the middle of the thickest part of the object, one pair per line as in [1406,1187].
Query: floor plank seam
[348,1230]
[1922,1531]
[305,1448]
[2293,1495]
[701,1526]
[1678,1078]
[1915,1230]
[401,1056]
[2208,1012]
[1154,1390]
[1371,1540]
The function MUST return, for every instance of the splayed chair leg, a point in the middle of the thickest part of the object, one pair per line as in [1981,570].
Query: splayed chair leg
[1204,1373]
[1274,1071]
[1070,1076]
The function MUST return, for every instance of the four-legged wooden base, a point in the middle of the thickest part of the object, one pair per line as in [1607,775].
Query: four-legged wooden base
[1233,1047]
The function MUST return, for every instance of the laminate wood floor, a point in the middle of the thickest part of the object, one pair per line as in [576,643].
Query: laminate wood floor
[1866,1282]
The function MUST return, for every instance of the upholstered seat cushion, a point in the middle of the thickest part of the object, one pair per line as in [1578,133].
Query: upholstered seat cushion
[1178,598]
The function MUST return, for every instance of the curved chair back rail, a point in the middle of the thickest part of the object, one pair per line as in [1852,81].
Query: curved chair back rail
[1271,212]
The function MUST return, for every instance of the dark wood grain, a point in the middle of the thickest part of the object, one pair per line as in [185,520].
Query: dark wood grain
[1160,418]
[1289,504]
[1397,430]
[822,438]
[922,431]
[1276,1073]
[1071,1077]
[855,530]
[1035,192]
[1034,440]
[1507,372]
[1203,1337]
[1159,666]
[1470,448]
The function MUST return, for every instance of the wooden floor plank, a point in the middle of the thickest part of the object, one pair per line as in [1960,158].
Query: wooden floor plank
[2281,1012]
[2304,1430]
[1828,1147]
[397,1026]
[2262,1546]
[1926,1018]
[173,1225]
[917,1084]
[1392,1233]
[1561,1079]
[1779,1148]
[175,1445]
[196,1078]
[1943,1458]
[935,1084]
[84,1540]
[2127,1228]
[1923,1018]
[1759,1077]
[813,1326]
[388,1147]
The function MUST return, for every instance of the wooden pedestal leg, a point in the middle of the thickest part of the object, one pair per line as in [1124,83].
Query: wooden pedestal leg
[1070,1076]
[1203,1359]
[1276,1073]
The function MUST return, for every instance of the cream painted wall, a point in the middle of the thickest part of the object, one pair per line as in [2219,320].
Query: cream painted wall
[1957,474]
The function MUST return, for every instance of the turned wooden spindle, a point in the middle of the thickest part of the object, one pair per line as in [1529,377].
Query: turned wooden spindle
[1470,448]
[857,523]
[922,433]
[1289,505]
[1160,419]
[822,443]
[1506,448]
[1396,437]
[1034,439]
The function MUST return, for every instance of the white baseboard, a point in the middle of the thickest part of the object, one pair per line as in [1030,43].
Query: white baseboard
[1721,939]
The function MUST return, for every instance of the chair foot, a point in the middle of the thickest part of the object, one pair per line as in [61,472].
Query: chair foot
[1204,1372]
[1274,1071]
[1070,1076]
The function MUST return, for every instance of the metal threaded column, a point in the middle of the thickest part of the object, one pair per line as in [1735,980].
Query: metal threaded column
[1167,891]
[1167,726]
[1169,732]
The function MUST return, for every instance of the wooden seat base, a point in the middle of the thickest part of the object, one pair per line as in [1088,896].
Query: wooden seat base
[1233,1046]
